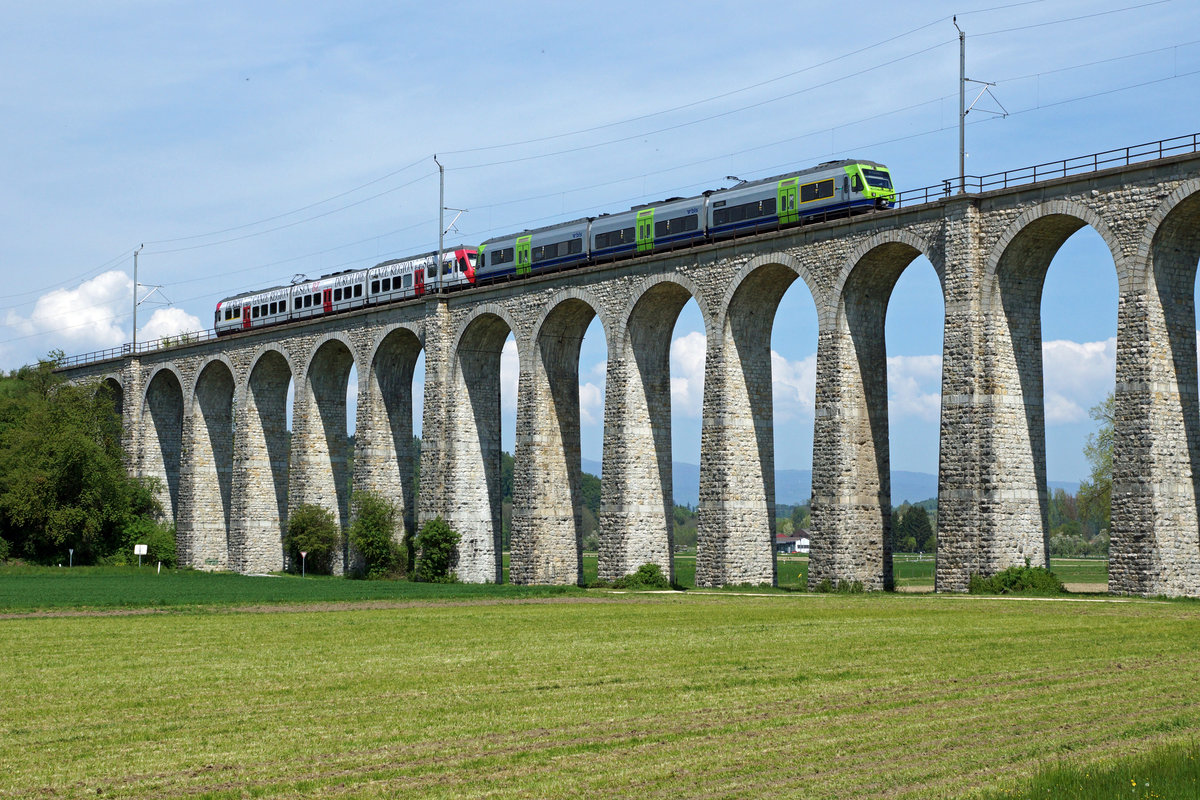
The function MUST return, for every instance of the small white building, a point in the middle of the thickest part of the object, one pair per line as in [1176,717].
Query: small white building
[792,544]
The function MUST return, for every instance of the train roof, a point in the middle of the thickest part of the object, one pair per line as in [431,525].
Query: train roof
[824,166]
[528,231]
[253,293]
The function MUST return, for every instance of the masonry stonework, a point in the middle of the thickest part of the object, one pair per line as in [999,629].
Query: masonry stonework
[209,420]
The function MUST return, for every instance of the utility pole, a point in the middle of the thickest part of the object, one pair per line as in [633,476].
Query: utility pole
[441,219]
[962,107]
[135,293]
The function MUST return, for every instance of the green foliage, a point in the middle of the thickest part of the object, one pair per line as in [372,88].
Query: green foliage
[3,550]
[373,535]
[314,530]
[159,538]
[62,481]
[1095,495]
[801,517]
[915,525]
[684,520]
[827,586]
[436,552]
[1018,580]
[648,576]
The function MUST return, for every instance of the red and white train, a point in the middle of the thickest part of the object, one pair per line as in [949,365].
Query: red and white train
[389,281]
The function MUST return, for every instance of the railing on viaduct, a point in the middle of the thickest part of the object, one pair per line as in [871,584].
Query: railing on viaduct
[185,407]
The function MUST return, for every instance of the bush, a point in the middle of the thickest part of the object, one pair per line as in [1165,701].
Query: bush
[648,576]
[436,552]
[158,537]
[3,550]
[827,586]
[1018,580]
[372,533]
[313,530]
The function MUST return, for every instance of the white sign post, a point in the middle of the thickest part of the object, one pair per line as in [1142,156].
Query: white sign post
[140,550]
[71,556]
[303,556]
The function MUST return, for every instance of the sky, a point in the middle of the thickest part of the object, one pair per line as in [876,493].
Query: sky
[245,143]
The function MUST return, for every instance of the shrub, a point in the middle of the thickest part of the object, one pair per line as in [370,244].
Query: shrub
[313,530]
[827,586]
[372,533]
[1018,580]
[648,576]
[436,552]
[3,550]
[158,537]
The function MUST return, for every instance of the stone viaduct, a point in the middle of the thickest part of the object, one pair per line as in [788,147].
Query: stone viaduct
[210,418]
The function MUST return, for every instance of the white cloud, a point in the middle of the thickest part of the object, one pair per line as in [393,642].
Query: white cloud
[1077,376]
[86,316]
[687,374]
[793,386]
[591,403]
[914,387]
[168,322]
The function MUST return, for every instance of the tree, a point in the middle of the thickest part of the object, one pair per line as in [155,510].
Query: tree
[313,530]
[1095,495]
[436,552]
[801,515]
[373,535]
[915,525]
[62,481]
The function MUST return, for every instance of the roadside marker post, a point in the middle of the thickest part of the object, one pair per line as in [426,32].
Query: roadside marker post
[303,556]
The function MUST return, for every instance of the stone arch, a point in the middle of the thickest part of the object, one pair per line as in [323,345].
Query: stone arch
[319,468]
[261,464]
[383,459]
[202,526]
[472,489]
[547,521]
[1014,508]
[112,384]
[736,530]
[162,435]
[1155,545]
[636,521]
[851,507]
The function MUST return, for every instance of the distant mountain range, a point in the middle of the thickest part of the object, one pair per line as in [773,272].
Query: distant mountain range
[794,486]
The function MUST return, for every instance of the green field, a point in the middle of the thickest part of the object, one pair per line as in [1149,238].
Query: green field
[584,693]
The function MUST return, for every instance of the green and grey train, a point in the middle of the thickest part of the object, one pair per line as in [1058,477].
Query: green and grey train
[831,189]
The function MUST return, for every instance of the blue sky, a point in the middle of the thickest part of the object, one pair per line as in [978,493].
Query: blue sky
[245,143]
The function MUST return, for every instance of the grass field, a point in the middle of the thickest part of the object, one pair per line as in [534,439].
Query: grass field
[586,693]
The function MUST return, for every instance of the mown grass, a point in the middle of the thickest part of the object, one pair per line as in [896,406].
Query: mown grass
[593,694]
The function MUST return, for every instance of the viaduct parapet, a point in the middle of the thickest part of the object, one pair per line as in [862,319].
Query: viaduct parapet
[210,418]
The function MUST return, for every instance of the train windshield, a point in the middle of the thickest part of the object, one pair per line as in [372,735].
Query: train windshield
[877,179]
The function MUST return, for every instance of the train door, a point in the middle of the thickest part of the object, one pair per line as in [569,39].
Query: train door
[245,317]
[419,280]
[327,300]
[645,230]
[787,201]
[524,255]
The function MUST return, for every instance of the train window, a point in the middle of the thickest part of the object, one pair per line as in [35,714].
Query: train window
[375,286]
[768,207]
[274,308]
[574,246]
[306,301]
[878,178]
[316,298]
[816,191]
[447,266]
[358,290]
[407,281]
[255,313]
[689,223]
[387,285]
[662,228]
[856,185]
[431,271]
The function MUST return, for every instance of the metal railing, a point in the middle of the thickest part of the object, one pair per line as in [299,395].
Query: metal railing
[127,349]
[1078,165]
[970,184]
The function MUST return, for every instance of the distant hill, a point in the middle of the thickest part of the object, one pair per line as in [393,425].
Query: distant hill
[794,486]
